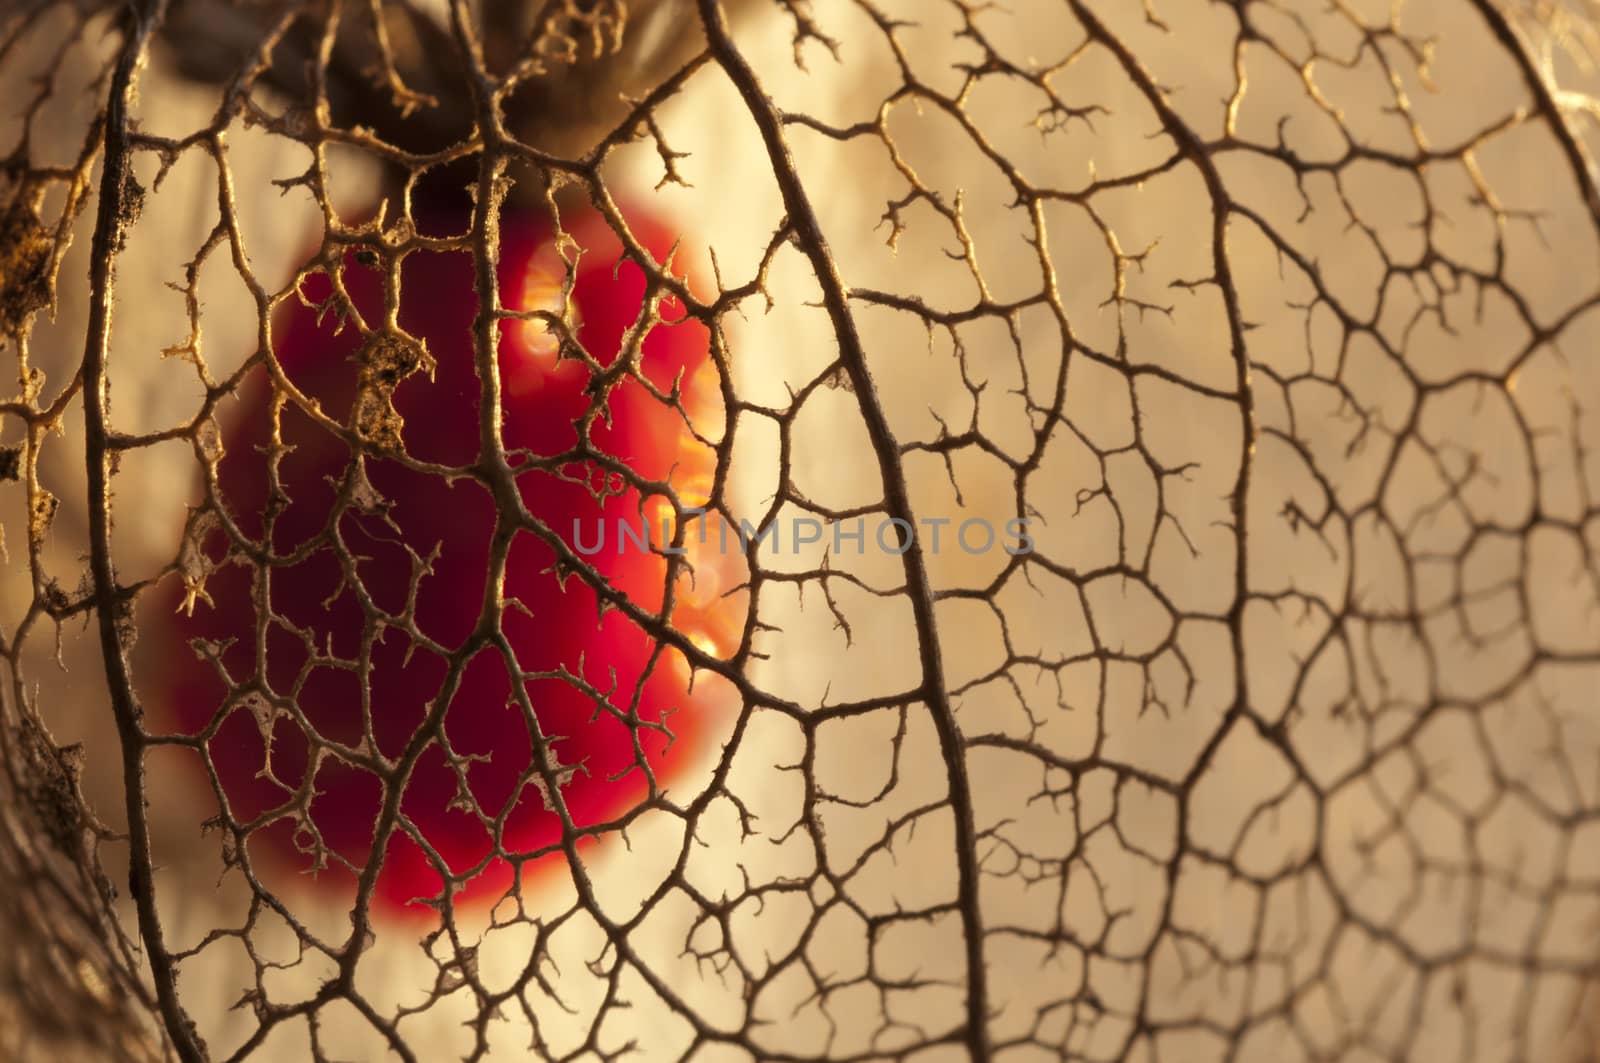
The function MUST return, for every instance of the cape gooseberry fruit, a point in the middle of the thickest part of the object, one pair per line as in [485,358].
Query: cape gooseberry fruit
[306,709]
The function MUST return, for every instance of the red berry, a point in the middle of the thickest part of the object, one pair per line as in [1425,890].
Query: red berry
[561,631]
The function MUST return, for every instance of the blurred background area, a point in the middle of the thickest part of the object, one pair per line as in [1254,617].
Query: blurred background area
[1276,320]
